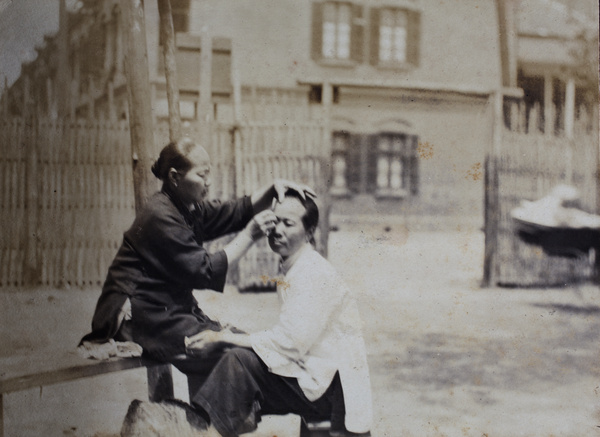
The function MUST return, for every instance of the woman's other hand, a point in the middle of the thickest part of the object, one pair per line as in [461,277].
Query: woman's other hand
[203,339]
[281,186]
[261,224]
[210,340]
[263,198]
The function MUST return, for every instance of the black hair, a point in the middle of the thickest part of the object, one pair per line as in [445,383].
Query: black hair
[174,155]
[310,219]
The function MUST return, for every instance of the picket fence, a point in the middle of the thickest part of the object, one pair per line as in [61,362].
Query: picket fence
[67,191]
[528,166]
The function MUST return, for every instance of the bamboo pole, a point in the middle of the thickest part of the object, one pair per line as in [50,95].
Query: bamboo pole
[237,135]
[491,194]
[205,88]
[63,91]
[139,99]
[169,49]
[325,158]
[142,140]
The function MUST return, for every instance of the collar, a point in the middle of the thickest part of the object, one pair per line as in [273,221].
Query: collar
[183,209]
[288,263]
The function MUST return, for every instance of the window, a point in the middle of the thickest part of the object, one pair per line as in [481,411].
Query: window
[339,163]
[395,155]
[395,37]
[384,165]
[337,32]
[392,36]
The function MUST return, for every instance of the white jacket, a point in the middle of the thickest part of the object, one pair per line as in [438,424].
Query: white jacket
[319,332]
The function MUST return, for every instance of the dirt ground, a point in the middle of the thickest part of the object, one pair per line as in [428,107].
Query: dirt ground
[447,358]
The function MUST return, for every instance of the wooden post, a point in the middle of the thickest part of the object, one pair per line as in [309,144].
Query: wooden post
[63,75]
[507,31]
[237,135]
[491,194]
[30,267]
[5,97]
[548,105]
[160,382]
[1,415]
[139,99]
[168,40]
[569,123]
[205,90]
[74,86]
[326,101]
[595,121]
[569,107]
[91,99]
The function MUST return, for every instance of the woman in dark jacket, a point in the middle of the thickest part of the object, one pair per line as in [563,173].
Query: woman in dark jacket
[162,258]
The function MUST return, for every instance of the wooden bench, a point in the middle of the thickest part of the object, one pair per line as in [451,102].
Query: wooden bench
[19,373]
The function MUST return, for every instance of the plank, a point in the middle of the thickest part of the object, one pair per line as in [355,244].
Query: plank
[24,372]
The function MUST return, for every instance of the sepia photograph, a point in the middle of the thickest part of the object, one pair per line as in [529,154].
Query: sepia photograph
[299,218]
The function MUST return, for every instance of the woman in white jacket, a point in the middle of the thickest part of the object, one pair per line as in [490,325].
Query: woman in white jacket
[311,363]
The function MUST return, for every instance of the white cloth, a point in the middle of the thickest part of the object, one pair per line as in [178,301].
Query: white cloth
[109,349]
[319,332]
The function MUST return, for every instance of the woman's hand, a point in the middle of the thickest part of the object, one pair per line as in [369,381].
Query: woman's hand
[211,340]
[281,186]
[262,199]
[261,224]
[203,339]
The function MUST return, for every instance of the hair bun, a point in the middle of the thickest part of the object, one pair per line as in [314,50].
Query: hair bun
[156,169]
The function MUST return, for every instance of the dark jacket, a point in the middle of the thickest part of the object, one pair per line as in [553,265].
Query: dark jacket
[160,262]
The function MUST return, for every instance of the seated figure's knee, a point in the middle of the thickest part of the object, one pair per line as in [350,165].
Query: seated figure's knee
[246,357]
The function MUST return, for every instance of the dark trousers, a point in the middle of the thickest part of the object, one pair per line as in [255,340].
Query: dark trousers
[240,388]
[196,368]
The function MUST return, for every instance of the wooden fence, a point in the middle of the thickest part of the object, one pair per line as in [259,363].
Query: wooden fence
[67,191]
[527,166]
[67,201]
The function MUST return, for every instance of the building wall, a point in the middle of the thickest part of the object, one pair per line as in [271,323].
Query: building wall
[454,133]
[272,42]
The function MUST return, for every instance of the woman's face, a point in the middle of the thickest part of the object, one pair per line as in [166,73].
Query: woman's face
[289,234]
[193,186]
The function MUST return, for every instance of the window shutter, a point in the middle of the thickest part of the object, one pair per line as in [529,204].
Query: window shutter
[317,31]
[414,166]
[357,35]
[413,37]
[374,37]
[353,163]
[372,155]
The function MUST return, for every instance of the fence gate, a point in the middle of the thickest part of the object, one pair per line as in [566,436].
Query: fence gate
[527,166]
